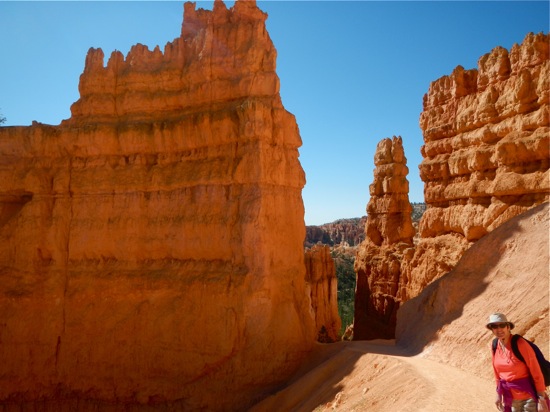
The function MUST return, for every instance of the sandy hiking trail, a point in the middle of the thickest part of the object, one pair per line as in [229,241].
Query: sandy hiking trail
[377,376]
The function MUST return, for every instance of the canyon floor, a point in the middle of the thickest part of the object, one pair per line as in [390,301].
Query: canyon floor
[379,376]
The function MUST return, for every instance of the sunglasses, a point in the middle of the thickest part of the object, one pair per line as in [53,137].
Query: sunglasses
[498,325]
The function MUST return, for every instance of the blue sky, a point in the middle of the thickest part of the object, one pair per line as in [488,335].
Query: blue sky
[352,72]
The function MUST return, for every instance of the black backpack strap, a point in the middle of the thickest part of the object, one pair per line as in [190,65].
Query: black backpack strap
[515,348]
[495,342]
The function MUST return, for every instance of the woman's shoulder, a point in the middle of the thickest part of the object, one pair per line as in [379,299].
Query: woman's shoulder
[522,344]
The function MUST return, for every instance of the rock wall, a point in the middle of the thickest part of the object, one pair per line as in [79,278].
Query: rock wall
[389,238]
[321,276]
[151,245]
[485,160]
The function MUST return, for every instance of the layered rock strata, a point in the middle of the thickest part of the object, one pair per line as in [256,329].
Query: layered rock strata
[345,232]
[151,245]
[321,276]
[389,237]
[486,157]
[485,160]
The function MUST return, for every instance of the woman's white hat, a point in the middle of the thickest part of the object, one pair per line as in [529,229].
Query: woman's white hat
[499,318]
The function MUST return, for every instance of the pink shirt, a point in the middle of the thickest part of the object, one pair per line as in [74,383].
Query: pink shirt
[509,368]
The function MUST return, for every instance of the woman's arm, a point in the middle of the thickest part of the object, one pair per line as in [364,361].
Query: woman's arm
[531,361]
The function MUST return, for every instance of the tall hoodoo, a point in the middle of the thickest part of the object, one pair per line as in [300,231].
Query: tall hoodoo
[389,236]
[151,245]
[321,276]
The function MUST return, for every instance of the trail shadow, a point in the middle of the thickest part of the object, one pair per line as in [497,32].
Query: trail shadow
[319,381]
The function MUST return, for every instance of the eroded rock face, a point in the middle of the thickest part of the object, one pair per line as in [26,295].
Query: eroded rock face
[350,232]
[151,245]
[486,159]
[321,276]
[389,236]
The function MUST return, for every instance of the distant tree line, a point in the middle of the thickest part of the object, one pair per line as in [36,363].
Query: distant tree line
[345,275]
[418,210]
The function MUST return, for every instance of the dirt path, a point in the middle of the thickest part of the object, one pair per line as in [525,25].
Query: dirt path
[379,377]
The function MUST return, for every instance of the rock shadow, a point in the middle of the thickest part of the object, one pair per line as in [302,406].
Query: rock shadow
[421,319]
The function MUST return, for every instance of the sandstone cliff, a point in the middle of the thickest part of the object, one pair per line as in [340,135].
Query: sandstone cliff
[321,276]
[349,232]
[389,237]
[485,160]
[151,245]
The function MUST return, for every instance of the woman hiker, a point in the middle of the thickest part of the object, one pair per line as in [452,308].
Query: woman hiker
[520,386]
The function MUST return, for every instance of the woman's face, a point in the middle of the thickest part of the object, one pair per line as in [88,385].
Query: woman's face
[501,330]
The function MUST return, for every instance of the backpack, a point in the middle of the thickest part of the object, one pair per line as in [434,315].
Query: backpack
[543,363]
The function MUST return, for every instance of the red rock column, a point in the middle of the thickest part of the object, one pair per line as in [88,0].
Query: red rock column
[321,277]
[389,235]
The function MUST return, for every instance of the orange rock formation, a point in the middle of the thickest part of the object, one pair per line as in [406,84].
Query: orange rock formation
[350,232]
[486,160]
[151,245]
[321,276]
[389,236]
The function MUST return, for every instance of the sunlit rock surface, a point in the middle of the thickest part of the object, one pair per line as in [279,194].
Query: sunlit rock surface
[485,160]
[389,236]
[151,246]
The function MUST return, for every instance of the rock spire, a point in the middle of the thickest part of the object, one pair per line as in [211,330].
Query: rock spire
[321,278]
[389,235]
